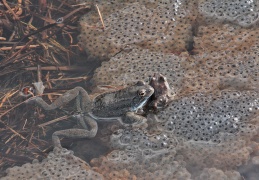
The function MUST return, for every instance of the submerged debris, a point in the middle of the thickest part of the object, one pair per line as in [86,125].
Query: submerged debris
[31,36]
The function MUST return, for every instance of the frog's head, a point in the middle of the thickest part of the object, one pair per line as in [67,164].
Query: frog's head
[162,94]
[142,93]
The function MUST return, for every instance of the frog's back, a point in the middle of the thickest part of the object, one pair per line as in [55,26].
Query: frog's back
[117,103]
[109,105]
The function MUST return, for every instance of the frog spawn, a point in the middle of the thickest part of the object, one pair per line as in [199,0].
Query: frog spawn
[228,54]
[218,85]
[163,26]
[213,174]
[128,67]
[221,37]
[207,131]
[147,165]
[186,74]
[241,12]
[60,164]
[201,117]
[227,59]
[143,157]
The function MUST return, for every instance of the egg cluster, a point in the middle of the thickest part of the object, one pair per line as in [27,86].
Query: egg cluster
[203,117]
[225,37]
[226,58]
[186,74]
[213,130]
[229,54]
[241,12]
[213,174]
[164,26]
[128,67]
[228,154]
[144,141]
[60,164]
[141,165]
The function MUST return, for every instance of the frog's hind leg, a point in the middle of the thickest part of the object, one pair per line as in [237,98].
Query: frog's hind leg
[86,122]
[78,92]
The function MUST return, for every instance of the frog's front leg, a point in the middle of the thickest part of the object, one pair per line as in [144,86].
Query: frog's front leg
[86,122]
[83,101]
[135,120]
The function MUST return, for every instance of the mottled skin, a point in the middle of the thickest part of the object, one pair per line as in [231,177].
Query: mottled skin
[162,94]
[120,105]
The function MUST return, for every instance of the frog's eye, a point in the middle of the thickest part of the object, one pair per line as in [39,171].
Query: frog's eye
[142,92]
[140,83]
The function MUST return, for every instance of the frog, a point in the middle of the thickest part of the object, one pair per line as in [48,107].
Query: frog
[121,105]
[162,95]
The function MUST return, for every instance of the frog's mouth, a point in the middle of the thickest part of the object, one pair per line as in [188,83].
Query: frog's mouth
[143,101]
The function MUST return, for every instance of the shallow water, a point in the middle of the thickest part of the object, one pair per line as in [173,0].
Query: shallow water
[208,52]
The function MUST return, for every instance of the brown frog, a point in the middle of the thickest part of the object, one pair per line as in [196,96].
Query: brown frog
[162,93]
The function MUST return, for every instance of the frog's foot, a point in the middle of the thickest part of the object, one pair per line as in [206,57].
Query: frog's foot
[83,101]
[135,120]
[76,133]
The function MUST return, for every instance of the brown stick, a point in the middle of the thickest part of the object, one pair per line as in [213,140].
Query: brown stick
[69,79]
[39,73]
[18,47]
[9,9]
[12,58]
[74,11]
[54,120]
[57,68]
[18,134]
[100,15]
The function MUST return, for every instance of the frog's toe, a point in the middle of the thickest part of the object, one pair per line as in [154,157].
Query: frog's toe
[56,140]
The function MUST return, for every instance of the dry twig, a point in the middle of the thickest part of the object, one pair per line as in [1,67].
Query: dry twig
[9,9]
[18,47]
[101,18]
[54,120]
